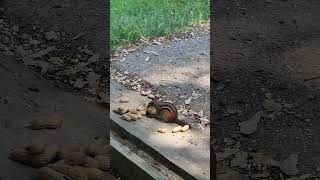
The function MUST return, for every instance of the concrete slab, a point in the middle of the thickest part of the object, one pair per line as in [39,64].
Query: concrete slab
[132,163]
[22,96]
[188,151]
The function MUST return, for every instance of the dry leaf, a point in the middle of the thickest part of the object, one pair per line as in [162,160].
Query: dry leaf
[93,79]
[145,93]
[56,61]
[250,126]
[188,101]
[51,35]
[94,58]
[79,83]
[200,113]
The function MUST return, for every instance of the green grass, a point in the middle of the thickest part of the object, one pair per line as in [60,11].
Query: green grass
[131,19]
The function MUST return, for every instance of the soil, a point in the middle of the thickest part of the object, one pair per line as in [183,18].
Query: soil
[50,38]
[267,50]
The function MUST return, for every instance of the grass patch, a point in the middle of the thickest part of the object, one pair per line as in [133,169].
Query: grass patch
[131,19]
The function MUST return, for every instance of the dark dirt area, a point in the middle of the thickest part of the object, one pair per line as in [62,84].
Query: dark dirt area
[266,89]
[26,97]
[65,43]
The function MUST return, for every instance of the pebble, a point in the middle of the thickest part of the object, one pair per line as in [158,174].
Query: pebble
[271,105]
[307,120]
[51,35]
[289,165]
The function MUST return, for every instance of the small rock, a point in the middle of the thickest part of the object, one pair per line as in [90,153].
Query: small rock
[94,58]
[51,35]
[20,52]
[271,105]
[15,28]
[231,110]
[250,126]
[307,120]
[151,96]
[93,79]
[3,47]
[147,92]
[147,59]
[289,165]
[74,61]
[240,159]
[79,83]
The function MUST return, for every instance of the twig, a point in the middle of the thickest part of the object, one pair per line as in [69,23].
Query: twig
[310,79]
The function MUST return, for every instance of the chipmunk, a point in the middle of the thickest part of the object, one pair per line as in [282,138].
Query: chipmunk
[164,111]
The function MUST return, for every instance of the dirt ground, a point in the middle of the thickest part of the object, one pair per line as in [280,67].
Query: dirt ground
[25,97]
[55,40]
[177,70]
[266,58]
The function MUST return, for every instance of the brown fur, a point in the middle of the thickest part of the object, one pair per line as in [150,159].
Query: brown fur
[164,111]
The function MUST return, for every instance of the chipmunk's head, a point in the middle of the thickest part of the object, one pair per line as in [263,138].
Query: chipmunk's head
[151,108]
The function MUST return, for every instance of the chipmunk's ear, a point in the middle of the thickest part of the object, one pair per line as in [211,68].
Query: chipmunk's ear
[156,98]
